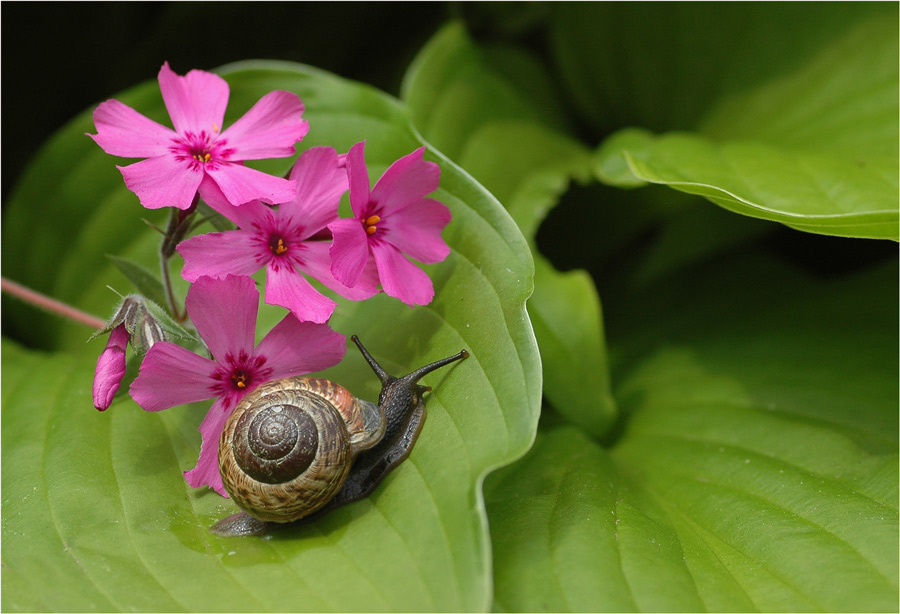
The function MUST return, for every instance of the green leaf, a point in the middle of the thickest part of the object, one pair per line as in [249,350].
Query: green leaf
[757,470]
[566,315]
[807,191]
[664,66]
[98,504]
[815,149]
[144,281]
[480,111]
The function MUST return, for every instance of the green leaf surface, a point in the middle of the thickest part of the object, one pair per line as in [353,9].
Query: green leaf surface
[815,149]
[145,282]
[566,315]
[96,503]
[757,469]
[664,66]
[474,107]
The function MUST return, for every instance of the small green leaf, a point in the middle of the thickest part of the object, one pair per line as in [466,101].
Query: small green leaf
[757,470]
[172,328]
[144,281]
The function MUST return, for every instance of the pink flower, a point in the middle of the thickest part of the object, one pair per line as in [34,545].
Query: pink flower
[196,154]
[391,220]
[110,368]
[286,241]
[224,312]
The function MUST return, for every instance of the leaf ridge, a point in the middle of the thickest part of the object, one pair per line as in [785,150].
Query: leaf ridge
[762,455]
[67,548]
[779,506]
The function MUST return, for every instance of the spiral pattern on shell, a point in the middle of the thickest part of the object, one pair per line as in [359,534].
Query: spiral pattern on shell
[285,450]
[276,443]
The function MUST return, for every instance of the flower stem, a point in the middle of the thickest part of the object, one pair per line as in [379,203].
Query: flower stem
[179,224]
[167,286]
[49,304]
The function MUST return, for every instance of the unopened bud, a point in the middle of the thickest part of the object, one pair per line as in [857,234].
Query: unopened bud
[134,322]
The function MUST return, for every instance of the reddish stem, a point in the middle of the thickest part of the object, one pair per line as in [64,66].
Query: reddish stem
[52,305]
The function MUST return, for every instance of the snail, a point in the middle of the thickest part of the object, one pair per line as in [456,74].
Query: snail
[298,447]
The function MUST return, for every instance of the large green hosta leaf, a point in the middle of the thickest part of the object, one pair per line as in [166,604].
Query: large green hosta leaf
[664,66]
[757,469]
[492,110]
[810,141]
[96,514]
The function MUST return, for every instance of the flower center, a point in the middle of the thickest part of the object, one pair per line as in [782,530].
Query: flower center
[199,146]
[240,379]
[277,245]
[201,150]
[369,224]
[237,375]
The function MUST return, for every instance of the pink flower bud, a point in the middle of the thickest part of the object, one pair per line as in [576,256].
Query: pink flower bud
[110,368]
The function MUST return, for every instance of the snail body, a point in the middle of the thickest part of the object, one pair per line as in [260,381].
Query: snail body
[299,446]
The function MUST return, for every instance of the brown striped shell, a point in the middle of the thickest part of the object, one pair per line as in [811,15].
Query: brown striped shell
[288,446]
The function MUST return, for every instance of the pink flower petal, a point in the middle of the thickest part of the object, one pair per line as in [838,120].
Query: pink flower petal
[240,184]
[317,264]
[287,287]
[244,215]
[297,348]
[321,183]
[162,182]
[358,176]
[224,312]
[122,131]
[416,230]
[400,278]
[254,215]
[349,251]
[406,181]
[206,472]
[219,253]
[269,129]
[110,368]
[171,375]
[196,102]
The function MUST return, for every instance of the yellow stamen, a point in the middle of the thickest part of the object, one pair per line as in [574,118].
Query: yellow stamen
[239,379]
[370,222]
[216,128]
[280,248]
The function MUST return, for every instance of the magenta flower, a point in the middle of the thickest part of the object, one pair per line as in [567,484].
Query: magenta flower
[110,368]
[391,220]
[224,312]
[196,154]
[287,241]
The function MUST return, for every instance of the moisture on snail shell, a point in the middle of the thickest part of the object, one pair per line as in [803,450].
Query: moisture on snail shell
[302,446]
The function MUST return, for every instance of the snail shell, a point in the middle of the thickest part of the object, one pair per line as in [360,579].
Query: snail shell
[288,446]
